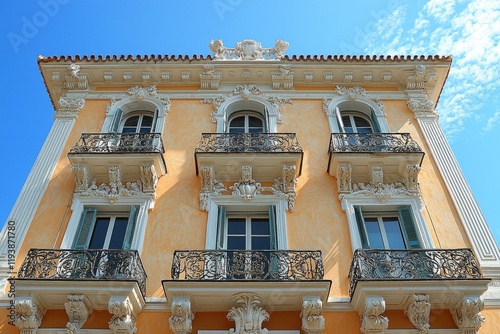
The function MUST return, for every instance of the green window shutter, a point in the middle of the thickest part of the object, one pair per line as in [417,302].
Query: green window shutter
[85,228]
[376,126]
[361,227]
[221,227]
[115,125]
[408,224]
[129,233]
[272,228]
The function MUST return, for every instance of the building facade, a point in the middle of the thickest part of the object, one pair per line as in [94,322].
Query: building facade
[249,191]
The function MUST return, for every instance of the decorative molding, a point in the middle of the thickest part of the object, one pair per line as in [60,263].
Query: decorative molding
[326,107]
[82,177]
[181,319]
[380,191]
[285,185]
[209,186]
[422,107]
[69,107]
[283,79]
[114,191]
[149,178]
[377,175]
[209,79]
[467,315]
[248,316]
[28,314]
[410,177]
[123,319]
[418,79]
[372,320]
[246,187]
[352,93]
[418,310]
[77,313]
[141,92]
[248,50]
[75,80]
[344,178]
[313,321]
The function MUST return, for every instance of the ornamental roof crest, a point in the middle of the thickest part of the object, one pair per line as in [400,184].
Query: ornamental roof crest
[248,49]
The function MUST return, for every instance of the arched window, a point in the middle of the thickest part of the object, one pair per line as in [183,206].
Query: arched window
[138,123]
[246,122]
[355,123]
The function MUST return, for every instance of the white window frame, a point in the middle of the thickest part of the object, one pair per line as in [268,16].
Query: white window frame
[246,114]
[141,114]
[349,201]
[379,216]
[112,220]
[257,205]
[248,216]
[80,203]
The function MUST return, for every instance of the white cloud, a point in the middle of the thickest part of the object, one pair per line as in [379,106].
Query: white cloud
[470,32]
[492,121]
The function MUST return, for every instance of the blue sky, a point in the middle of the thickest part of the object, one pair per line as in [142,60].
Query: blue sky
[469,107]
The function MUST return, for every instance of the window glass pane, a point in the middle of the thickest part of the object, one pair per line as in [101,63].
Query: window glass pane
[145,129]
[261,243]
[238,122]
[147,121]
[364,130]
[374,235]
[394,235]
[99,233]
[347,121]
[254,121]
[255,130]
[361,122]
[236,242]
[236,226]
[132,121]
[118,233]
[128,130]
[260,226]
[237,130]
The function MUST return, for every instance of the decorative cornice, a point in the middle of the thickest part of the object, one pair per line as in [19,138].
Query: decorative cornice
[141,92]
[380,191]
[352,93]
[75,80]
[422,107]
[209,79]
[248,50]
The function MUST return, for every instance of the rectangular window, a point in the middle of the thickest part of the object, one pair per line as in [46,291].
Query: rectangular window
[104,230]
[387,230]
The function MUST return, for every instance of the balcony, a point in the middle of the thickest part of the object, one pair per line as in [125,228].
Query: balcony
[96,152]
[267,153]
[211,277]
[389,153]
[51,274]
[446,275]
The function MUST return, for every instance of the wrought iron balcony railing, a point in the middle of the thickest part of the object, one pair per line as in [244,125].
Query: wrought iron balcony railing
[247,265]
[415,264]
[248,143]
[373,143]
[84,264]
[118,143]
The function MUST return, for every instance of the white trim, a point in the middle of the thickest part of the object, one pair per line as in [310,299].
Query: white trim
[80,202]
[348,203]
[291,331]
[333,107]
[476,227]
[228,200]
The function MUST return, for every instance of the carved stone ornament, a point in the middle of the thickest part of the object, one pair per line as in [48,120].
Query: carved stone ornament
[351,93]
[286,184]
[149,178]
[141,92]
[81,177]
[380,191]
[283,79]
[210,187]
[411,177]
[70,107]
[416,79]
[418,311]
[248,50]
[422,107]
[28,315]
[75,80]
[122,319]
[313,321]
[344,178]
[77,313]
[246,187]
[181,319]
[209,79]
[377,175]
[246,91]
[372,320]
[248,316]
[467,315]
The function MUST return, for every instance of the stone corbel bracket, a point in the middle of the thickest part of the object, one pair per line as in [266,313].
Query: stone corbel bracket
[209,78]
[248,316]
[123,319]
[75,80]
[283,79]
[181,319]
[313,321]
[418,310]
[286,185]
[467,315]
[210,187]
[372,320]
[77,311]
[29,314]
